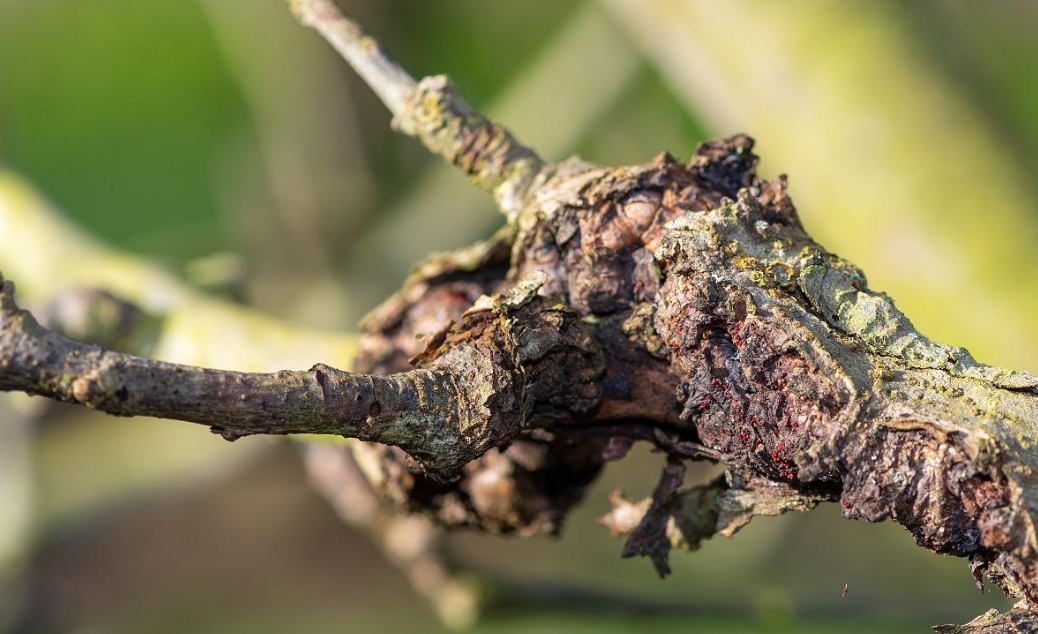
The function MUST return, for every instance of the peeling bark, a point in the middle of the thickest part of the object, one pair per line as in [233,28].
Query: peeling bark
[639,303]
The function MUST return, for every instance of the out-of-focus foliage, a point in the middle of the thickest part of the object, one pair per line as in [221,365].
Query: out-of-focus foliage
[182,129]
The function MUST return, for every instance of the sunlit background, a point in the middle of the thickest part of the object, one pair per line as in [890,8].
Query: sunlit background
[222,141]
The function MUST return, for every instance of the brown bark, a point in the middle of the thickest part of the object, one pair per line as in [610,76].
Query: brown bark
[682,305]
[730,335]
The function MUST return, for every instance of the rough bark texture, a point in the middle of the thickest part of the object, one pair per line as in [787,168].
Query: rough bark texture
[682,305]
[1019,620]
[638,303]
[472,396]
[728,335]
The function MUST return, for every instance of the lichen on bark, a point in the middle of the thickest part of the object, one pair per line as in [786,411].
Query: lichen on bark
[680,305]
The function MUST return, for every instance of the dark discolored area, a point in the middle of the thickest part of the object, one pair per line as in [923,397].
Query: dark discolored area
[680,306]
[726,165]
[696,284]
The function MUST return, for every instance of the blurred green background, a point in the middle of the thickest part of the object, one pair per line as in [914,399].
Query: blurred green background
[223,140]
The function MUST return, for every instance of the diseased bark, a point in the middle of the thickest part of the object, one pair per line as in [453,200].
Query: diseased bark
[786,367]
[683,305]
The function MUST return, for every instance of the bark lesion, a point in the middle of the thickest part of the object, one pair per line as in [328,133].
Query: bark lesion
[644,304]
[919,450]
[681,305]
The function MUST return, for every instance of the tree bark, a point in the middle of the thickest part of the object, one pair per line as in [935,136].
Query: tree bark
[683,305]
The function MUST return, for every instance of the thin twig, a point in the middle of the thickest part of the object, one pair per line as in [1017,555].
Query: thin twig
[433,112]
[421,411]
[413,542]
[381,73]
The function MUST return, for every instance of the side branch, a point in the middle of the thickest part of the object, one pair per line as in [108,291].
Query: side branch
[385,77]
[686,518]
[433,112]
[422,411]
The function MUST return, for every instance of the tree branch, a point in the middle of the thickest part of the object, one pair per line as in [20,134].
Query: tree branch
[479,382]
[680,303]
[433,112]
[197,329]
[423,411]
[805,383]
[393,85]
[1018,620]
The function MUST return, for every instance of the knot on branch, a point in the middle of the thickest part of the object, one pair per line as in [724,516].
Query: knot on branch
[519,354]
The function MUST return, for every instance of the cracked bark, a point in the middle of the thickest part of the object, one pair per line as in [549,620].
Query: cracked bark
[683,305]
[732,335]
